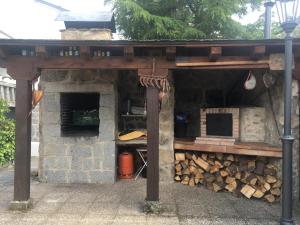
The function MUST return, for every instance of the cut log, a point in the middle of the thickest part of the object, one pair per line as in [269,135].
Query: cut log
[227,163]
[209,177]
[271,179]
[186,171]
[270,198]
[178,167]
[200,162]
[216,187]
[231,187]
[192,182]
[185,180]
[204,156]
[192,169]
[219,156]
[229,180]
[277,184]
[177,178]
[199,176]
[275,192]
[188,155]
[179,173]
[238,175]
[184,164]
[180,156]
[251,165]
[230,158]
[214,169]
[219,164]
[248,191]
[270,171]
[223,173]
[267,186]
[253,181]
[260,167]
[258,194]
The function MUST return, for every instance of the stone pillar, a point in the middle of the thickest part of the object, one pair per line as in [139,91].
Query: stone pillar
[166,136]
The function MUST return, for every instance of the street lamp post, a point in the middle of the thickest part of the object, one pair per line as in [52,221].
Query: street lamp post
[288,14]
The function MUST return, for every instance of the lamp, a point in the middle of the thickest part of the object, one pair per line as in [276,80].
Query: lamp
[288,17]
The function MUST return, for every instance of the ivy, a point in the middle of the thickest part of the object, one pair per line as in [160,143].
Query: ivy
[7,135]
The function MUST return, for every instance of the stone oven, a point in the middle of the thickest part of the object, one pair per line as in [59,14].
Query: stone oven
[78,112]
[220,122]
[78,127]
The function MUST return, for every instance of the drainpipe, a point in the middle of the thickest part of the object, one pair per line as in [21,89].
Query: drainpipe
[268,15]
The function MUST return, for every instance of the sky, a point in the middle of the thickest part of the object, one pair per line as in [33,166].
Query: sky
[28,19]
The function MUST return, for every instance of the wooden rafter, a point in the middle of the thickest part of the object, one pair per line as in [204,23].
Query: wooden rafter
[258,52]
[215,53]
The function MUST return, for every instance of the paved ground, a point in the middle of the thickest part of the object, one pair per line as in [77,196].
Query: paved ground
[122,203]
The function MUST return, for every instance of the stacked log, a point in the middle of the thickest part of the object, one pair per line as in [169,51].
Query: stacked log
[252,177]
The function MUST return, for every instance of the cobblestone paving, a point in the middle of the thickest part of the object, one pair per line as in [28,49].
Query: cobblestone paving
[122,203]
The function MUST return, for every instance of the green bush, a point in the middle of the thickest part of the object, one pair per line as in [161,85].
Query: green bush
[7,135]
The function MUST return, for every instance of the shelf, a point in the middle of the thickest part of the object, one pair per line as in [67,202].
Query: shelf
[133,115]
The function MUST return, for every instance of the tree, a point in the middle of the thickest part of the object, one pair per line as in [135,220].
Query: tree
[7,135]
[181,19]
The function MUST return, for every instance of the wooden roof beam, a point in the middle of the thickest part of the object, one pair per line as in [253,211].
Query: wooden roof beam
[129,52]
[2,53]
[41,51]
[171,52]
[258,52]
[215,53]
[85,51]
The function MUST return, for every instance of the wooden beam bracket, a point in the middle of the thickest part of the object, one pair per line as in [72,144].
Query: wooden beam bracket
[129,52]
[215,53]
[171,53]
[41,51]
[258,52]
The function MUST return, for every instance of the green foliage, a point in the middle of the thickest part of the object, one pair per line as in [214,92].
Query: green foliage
[256,30]
[7,135]
[181,19]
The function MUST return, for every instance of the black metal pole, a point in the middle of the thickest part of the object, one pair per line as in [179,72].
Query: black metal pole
[287,139]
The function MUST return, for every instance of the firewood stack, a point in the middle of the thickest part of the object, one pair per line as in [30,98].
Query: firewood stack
[253,177]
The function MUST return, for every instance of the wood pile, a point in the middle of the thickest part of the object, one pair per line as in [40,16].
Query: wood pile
[252,177]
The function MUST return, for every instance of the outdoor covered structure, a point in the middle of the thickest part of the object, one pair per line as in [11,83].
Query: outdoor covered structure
[154,61]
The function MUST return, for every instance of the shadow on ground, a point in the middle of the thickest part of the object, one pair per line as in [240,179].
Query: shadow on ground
[123,202]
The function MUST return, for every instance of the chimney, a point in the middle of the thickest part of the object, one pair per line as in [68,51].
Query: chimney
[87,26]
[268,16]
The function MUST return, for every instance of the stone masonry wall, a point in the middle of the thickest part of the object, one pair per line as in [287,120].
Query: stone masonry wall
[86,34]
[272,136]
[35,124]
[252,124]
[77,159]
[166,136]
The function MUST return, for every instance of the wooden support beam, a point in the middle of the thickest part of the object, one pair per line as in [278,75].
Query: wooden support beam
[152,144]
[129,52]
[41,51]
[215,53]
[171,52]
[236,62]
[258,52]
[85,51]
[2,53]
[23,141]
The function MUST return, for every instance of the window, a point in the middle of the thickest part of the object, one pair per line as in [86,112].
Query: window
[79,114]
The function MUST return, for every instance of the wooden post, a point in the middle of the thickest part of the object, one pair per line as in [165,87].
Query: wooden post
[23,144]
[152,144]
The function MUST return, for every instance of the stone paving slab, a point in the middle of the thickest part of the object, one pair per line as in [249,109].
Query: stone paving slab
[122,203]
